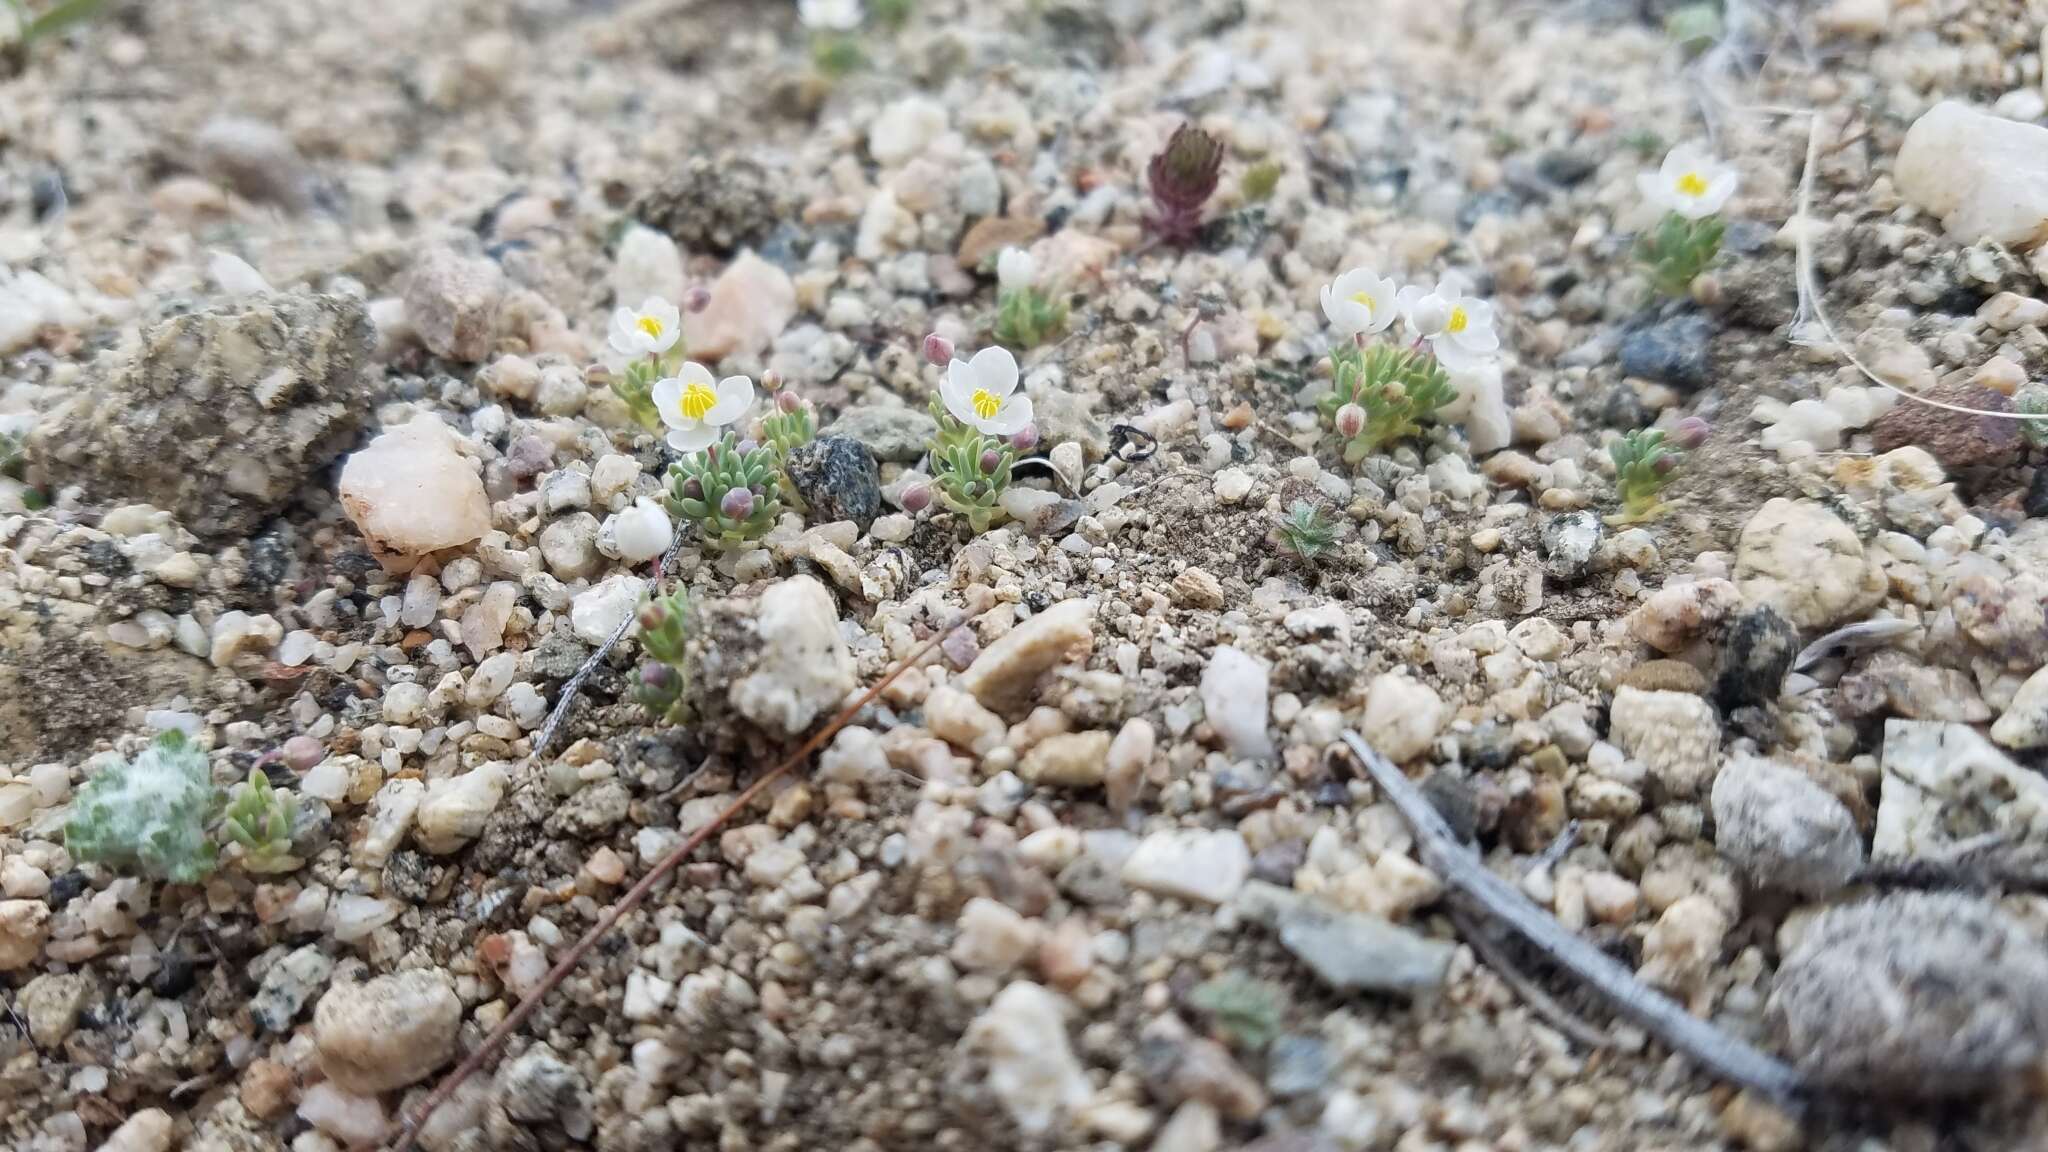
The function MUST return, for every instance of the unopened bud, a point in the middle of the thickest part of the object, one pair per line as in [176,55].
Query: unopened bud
[693,489]
[1350,421]
[1026,438]
[697,299]
[938,350]
[738,504]
[746,447]
[1664,465]
[990,460]
[917,498]
[771,381]
[1691,432]
[652,616]
[788,402]
[656,676]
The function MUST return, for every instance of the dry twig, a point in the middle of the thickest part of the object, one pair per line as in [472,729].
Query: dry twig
[448,1086]
[1462,870]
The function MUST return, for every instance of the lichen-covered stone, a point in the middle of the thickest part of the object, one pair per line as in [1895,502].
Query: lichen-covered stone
[715,205]
[837,479]
[777,660]
[220,416]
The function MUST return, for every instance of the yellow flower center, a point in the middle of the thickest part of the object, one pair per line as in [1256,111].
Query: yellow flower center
[1692,184]
[1362,298]
[985,403]
[1457,321]
[697,400]
[651,326]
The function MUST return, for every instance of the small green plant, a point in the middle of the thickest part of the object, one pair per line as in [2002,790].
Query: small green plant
[31,26]
[1383,395]
[834,26]
[984,423]
[1182,177]
[1259,181]
[1642,464]
[789,426]
[970,471]
[1027,313]
[730,489]
[1245,1013]
[1694,27]
[261,820]
[892,13]
[1691,186]
[1644,142]
[148,817]
[1305,532]
[664,630]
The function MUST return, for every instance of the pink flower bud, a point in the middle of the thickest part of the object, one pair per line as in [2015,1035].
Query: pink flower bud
[657,677]
[1026,438]
[738,504]
[990,460]
[652,615]
[1691,432]
[693,489]
[771,381]
[697,299]
[1350,421]
[938,350]
[746,447]
[916,498]
[788,402]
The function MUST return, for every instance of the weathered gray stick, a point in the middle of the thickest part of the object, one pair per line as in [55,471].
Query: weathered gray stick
[1662,1017]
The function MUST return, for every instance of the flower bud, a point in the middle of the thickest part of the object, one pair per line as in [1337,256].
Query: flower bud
[653,615]
[787,402]
[1691,432]
[938,350]
[771,381]
[697,299]
[990,461]
[746,447]
[657,677]
[1026,438]
[1664,465]
[738,504]
[1350,421]
[693,489]
[917,498]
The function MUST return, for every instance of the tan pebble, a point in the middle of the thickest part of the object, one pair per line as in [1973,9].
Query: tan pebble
[605,866]
[1197,588]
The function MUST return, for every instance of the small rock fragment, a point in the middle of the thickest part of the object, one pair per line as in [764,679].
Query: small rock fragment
[1805,562]
[1192,864]
[452,304]
[1067,760]
[1983,175]
[1402,716]
[387,1032]
[1673,734]
[1023,1037]
[1234,699]
[1783,830]
[838,480]
[1005,673]
[411,492]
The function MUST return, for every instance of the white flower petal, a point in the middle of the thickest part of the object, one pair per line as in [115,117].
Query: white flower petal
[692,439]
[1455,358]
[994,370]
[1655,189]
[735,396]
[668,400]
[694,373]
[1011,418]
[955,391]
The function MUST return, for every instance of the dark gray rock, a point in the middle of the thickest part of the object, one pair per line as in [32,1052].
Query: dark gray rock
[1569,542]
[1674,351]
[837,479]
[1297,1066]
[716,204]
[895,435]
[221,415]
[1753,652]
[1917,993]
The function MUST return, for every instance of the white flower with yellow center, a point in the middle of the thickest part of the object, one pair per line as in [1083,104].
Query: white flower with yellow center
[1691,183]
[648,331]
[982,393]
[829,15]
[696,408]
[1459,328]
[1360,302]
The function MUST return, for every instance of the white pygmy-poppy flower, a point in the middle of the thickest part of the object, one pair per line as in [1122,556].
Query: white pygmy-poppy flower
[829,15]
[695,407]
[648,331]
[982,393]
[1015,270]
[1691,183]
[1427,310]
[1360,301]
[1466,337]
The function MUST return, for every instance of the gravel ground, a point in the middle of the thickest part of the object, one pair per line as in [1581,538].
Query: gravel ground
[303,351]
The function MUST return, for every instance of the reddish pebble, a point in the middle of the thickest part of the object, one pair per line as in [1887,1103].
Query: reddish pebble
[303,752]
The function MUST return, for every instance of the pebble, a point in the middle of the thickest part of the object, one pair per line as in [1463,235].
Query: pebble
[894,434]
[149,1130]
[1675,350]
[452,304]
[1973,450]
[1684,945]
[1983,175]
[1402,716]
[801,667]
[411,492]
[1570,542]
[1067,760]
[2024,723]
[1915,993]
[1031,1069]
[388,1031]
[24,925]
[569,545]
[1235,702]
[1007,671]
[993,938]
[752,301]
[1206,867]
[1752,654]
[959,719]
[597,611]
[1673,734]
[905,129]
[1233,485]
[256,159]
[358,1121]
[1347,950]
[455,808]
[1123,769]
[1802,560]
[837,479]
[1783,830]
